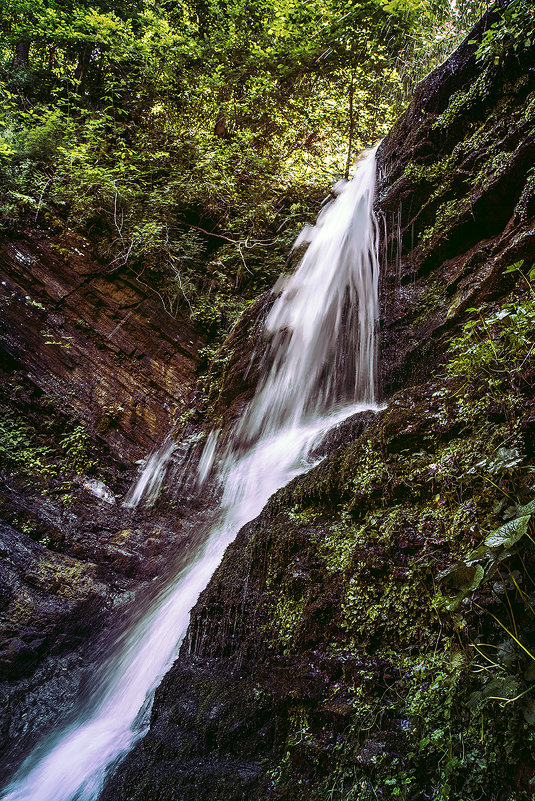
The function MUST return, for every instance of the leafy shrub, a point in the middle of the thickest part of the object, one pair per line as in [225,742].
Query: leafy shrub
[76,445]
[497,345]
[514,32]
[20,450]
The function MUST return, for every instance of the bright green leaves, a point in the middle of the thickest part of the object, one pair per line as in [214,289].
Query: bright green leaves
[511,532]
[483,563]
[514,32]
[495,345]
[463,579]
[60,24]
[139,120]
[508,534]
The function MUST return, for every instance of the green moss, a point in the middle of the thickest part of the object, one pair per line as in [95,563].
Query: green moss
[432,299]
[433,172]
[373,473]
[440,174]
[287,617]
[337,547]
[447,215]
[528,114]
[463,100]
[526,198]
[478,158]
[498,164]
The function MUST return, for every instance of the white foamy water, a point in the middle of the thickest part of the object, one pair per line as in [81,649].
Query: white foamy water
[324,323]
[321,370]
[149,483]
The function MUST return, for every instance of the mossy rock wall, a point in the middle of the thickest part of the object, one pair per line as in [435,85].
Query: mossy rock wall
[371,635]
[456,199]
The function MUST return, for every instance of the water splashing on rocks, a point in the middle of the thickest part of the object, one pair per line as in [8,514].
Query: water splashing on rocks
[320,369]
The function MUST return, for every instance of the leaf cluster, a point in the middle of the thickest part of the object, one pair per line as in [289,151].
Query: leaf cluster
[191,142]
[513,33]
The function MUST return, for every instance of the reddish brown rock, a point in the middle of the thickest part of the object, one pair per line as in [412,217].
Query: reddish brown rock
[99,342]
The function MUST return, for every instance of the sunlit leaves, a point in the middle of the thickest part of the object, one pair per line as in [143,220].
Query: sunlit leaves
[138,118]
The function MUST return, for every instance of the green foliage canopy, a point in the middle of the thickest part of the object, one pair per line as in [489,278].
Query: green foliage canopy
[191,140]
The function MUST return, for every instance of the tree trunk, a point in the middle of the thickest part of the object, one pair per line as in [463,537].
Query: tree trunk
[22,53]
[221,126]
[351,123]
[84,57]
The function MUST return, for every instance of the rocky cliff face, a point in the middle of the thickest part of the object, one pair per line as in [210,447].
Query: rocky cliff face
[99,344]
[456,198]
[371,634]
[93,374]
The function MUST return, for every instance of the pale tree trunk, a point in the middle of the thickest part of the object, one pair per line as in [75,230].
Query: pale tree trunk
[351,125]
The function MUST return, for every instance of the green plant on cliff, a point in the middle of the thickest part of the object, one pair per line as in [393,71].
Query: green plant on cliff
[494,350]
[513,33]
[20,449]
[77,447]
[32,455]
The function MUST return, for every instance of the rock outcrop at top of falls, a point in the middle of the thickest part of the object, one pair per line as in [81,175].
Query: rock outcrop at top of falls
[370,635]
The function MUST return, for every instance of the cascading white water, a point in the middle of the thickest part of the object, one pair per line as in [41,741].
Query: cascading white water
[323,323]
[150,481]
[322,369]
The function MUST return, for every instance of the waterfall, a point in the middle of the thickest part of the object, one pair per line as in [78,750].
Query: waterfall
[323,323]
[319,370]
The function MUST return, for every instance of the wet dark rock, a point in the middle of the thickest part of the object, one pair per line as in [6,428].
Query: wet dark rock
[345,432]
[52,606]
[93,354]
[330,656]
[461,227]
[245,349]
